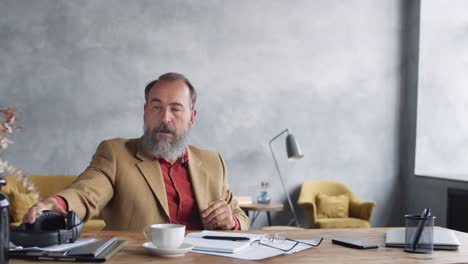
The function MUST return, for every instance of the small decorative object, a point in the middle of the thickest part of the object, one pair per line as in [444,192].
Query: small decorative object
[264,197]
[7,125]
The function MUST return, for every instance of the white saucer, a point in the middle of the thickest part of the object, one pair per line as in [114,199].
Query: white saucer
[175,252]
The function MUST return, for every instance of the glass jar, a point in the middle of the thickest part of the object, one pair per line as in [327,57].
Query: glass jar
[264,197]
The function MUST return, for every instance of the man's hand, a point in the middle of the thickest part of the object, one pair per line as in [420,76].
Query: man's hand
[218,215]
[49,203]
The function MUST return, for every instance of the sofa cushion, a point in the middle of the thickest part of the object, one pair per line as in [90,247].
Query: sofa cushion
[20,203]
[94,225]
[20,198]
[332,206]
[341,223]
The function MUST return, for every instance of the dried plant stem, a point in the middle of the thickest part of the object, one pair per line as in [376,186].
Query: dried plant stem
[22,177]
[7,127]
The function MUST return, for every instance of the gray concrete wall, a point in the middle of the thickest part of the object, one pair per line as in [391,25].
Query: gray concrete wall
[328,70]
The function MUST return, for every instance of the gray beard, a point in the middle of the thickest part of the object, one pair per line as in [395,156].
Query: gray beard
[162,149]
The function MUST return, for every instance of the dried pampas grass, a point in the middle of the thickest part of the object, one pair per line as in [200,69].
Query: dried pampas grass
[7,125]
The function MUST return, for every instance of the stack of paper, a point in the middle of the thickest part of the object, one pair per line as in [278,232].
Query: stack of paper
[88,250]
[55,248]
[249,249]
[222,246]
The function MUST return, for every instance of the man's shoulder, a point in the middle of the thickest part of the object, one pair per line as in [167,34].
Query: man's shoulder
[210,160]
[202,152]
[129,144]
[121,141]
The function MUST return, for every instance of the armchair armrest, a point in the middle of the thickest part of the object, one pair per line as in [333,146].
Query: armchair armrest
[307,202]
[306,197]
[361,209]
[306,205]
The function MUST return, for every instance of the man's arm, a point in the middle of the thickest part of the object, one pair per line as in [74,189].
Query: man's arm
[233,203]
[225,213]
[89,193]
[93,189]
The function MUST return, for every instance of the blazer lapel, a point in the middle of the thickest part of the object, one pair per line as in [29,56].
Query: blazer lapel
[153,176]
[199,180]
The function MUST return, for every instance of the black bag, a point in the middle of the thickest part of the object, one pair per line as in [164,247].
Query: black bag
[4,225]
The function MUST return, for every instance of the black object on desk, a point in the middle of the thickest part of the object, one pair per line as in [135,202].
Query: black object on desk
[230,238]
[353,243]
[50,228]
[4,224]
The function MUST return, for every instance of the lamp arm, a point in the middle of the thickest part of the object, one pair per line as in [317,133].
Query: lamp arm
[281,178]
[277,136]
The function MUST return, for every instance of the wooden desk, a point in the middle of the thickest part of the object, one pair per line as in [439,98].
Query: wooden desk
[325,253]
[256,208]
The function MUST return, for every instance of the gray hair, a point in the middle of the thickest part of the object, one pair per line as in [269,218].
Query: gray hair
[174,76]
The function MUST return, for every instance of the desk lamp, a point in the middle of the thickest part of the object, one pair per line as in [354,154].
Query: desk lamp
[294,152]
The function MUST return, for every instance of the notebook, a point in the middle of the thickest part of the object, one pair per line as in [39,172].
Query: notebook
[443,238]
[98,251]
[221,246]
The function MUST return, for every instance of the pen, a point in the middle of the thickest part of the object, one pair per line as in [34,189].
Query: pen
[424,215]
[231,238]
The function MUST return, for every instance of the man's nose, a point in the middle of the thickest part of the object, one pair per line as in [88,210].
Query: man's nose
[166,116]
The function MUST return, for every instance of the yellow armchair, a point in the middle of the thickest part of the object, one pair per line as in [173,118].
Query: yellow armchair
[46,185]
[360,212]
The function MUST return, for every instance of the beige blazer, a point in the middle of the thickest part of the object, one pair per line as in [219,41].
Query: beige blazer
[126,186]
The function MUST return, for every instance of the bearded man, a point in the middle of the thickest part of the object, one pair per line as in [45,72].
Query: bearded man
[157,178]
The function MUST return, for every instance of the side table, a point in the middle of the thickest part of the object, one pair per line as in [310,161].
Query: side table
[257,208]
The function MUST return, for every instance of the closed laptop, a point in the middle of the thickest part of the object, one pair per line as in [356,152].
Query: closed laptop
[443,238]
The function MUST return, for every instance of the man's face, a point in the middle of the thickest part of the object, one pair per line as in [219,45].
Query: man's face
[168,115]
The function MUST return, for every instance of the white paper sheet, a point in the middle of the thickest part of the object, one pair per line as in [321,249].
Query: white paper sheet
[255,251]
[221,246]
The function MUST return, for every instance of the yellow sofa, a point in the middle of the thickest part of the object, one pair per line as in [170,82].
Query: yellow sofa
[358,212]
[21,199]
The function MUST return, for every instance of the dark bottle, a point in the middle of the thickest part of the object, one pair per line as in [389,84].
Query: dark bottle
[4,224]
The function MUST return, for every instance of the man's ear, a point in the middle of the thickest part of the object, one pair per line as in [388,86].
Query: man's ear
[193,113]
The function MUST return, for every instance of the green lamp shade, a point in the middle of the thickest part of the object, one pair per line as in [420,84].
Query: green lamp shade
[292,148]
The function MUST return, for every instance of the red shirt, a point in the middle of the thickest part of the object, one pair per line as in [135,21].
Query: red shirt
[183,208]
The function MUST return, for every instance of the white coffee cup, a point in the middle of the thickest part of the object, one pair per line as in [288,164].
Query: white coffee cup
[165,236]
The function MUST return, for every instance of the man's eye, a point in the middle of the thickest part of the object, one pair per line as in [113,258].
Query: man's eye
[176,109]
[156,107]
